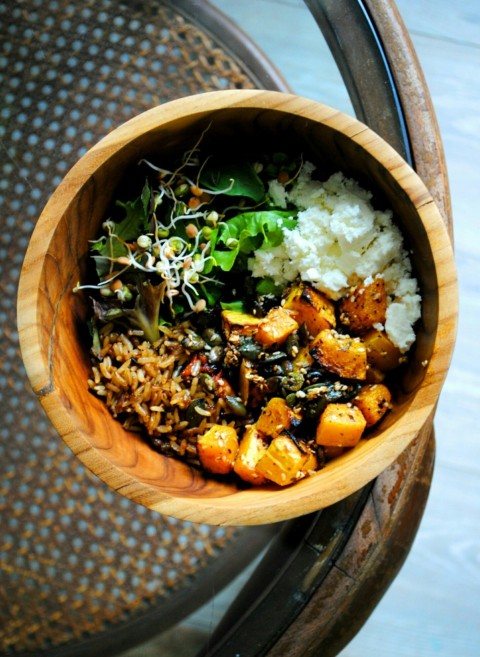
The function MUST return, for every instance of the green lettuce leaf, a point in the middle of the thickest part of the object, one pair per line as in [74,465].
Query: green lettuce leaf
[247,232]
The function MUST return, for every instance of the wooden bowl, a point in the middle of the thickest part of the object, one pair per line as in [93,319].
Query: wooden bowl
[52,320]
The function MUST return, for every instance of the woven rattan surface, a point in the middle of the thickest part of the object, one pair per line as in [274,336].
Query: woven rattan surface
[77,560]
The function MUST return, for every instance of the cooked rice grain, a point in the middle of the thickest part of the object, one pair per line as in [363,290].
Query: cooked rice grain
[141,385]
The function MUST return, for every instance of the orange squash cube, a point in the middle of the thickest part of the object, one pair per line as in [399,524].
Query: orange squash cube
[381,352]
[340,354]
[276,417]
[303,359]
[283,462]
[364,306]
[239,323]
[275,327]
[217,449]
[252,448]
[311,307]
[374,401]
[340,425]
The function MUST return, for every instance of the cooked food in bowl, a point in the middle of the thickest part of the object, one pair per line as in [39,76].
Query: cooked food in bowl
[249,316]
[283,264]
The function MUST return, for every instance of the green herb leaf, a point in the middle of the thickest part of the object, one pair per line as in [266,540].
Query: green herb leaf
[211,292]
[106,249]
[233,178]
[136,218]
[267,286]
[134,224]
[247,232]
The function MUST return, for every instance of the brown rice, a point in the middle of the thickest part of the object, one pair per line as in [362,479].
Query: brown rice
[142,385]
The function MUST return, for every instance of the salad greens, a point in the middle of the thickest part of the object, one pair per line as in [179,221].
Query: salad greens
[240,236]
[178,246]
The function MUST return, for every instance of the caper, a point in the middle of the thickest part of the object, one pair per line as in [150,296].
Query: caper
[292,382]
[250,349]
[215,354]
[212,337]
[236,406]
[193,342]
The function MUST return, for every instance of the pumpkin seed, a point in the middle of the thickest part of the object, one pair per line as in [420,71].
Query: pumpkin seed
[236,406]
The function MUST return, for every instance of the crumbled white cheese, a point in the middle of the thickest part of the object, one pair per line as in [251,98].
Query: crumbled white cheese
[339,241]
[277,193]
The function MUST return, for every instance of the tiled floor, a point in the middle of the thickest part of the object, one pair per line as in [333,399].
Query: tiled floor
[432,607]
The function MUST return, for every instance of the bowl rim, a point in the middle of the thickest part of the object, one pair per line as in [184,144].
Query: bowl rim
[254,505]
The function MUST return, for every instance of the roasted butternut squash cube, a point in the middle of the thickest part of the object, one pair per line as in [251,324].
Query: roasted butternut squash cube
[283,462]
[340,354]
[217,449]
[276,417]
[311,307]
[364,306]
[381,352]
[340,425]
[240,323]
[252,447]
[275,327]
[374,401]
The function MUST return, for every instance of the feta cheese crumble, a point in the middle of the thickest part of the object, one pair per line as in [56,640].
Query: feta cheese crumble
[339,241]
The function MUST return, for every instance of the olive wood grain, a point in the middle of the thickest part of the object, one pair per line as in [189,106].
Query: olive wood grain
[52,319]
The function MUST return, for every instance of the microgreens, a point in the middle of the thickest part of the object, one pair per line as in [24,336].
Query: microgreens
[166,257]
